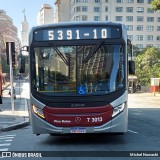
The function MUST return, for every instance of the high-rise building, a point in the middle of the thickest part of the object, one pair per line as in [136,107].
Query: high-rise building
[8,31]
[63,11]
[45,15]
[143,24]
[24,33]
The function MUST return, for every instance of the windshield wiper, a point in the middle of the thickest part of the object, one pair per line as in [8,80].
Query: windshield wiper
[60,54]
[93,51]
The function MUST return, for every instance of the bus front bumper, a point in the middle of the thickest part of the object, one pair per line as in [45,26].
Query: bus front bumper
[116,124]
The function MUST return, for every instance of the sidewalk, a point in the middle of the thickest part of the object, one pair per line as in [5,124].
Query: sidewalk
[20,117]
[144,100]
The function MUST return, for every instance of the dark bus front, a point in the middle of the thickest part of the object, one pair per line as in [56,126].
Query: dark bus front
[78,78]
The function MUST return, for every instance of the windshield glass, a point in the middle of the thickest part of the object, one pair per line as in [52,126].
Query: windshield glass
[78,70]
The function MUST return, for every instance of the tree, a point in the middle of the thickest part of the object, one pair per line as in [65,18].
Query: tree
[155,5]
[136,51]
[148,65]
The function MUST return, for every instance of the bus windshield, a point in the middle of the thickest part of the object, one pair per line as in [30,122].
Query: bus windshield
[78,70]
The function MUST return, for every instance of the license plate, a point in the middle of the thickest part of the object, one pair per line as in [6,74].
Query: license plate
[78,130]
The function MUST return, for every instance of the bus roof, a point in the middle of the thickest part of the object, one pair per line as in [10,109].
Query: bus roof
[42,30]
[75,23]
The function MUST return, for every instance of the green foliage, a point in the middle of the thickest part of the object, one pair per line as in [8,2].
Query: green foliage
[136,51]
[148,65]
[155,5]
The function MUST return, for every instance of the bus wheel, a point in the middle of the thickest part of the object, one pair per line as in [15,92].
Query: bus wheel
[118,133]
[54,134]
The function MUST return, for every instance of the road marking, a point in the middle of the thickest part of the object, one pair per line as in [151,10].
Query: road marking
[132,131]
[5,144]
[5,141]
[8,140]
[5,137]
[8,135]
[4,149]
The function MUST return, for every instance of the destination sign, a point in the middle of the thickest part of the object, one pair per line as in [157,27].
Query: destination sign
[77,33]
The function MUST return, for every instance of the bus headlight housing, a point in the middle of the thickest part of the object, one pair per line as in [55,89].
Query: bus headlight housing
[118,109]
[38,111]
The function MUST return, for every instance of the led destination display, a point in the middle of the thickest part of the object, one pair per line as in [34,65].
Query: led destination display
[77,33]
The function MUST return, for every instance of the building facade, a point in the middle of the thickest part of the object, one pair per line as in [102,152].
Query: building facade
[24,34]
[45,15]
[8,30]
[63,12]
[143,24]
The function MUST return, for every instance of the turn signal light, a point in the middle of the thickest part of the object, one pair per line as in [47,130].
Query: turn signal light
[118,109]
[38,111]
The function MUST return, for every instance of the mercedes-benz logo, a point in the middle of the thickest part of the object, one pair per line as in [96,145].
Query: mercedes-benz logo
[77,119]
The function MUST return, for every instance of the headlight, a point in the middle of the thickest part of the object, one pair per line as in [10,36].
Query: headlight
[118,109]
[38,111]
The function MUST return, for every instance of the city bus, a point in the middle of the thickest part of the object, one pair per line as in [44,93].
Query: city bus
[79,78]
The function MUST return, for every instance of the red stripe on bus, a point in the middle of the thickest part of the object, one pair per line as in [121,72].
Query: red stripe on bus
[77,110]
[71,117]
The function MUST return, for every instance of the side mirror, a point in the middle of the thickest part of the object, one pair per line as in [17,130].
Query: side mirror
[132,67]
[129,49]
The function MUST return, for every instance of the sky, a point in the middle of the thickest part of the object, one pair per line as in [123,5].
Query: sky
[14,9]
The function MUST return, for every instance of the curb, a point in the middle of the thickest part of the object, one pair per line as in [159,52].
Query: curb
[4,87]
[15,126]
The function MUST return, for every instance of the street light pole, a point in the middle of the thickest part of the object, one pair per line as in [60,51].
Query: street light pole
[2,45]
[11,77]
